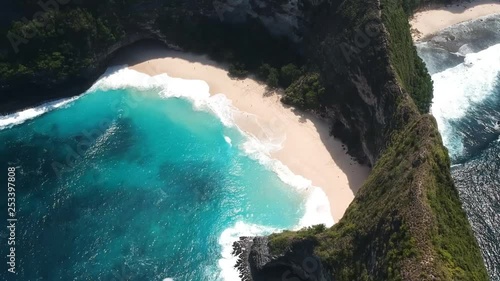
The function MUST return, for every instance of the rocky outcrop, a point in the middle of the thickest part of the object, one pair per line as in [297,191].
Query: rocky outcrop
[255,262]
[396,228]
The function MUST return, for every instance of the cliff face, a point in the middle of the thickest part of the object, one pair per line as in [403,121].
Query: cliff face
[349,47]
[283,17]
[257,263]
[406,223]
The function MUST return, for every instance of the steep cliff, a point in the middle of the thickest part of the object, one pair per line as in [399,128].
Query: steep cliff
[406,223]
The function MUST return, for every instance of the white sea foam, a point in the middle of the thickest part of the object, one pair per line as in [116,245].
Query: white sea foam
[226,264]
[232,234]
[197,91]
[10,120]
[228,140]
[458,88]
[317,205]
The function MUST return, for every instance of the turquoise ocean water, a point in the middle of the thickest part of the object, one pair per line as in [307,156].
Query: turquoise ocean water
[140,179]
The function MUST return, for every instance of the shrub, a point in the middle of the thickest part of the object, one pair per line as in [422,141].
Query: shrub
[263,71]
[289,73]
[305,92]
[273,78]
[237,70]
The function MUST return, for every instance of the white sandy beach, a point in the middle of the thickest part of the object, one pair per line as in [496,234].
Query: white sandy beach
[307,150]
[437,17]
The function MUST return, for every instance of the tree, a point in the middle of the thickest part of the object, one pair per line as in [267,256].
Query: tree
[238,70]
[305,92]
[273,78]
[289,73]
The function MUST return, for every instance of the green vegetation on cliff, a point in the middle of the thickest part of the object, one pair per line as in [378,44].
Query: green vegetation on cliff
[305,92]
[73,39]
[410,69]
[406,222]
[41,55]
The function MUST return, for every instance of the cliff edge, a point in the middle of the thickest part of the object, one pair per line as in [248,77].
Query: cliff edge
[406,222]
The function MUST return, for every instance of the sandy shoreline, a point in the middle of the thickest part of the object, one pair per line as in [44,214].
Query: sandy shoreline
[307,150]
[437,17]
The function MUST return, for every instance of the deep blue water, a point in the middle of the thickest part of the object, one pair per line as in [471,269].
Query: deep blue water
[125,184]
[464,61]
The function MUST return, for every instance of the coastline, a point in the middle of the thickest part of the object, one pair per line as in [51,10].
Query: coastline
[438,17]
[307,148]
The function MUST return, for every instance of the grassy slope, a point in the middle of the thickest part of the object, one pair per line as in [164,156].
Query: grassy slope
[410,68]
[406,222]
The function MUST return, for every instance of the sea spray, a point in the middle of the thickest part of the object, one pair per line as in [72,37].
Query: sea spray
[7,121]
[460,88]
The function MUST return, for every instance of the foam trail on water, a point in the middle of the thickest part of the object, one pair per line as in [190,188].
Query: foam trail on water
[457,89]
[226,264]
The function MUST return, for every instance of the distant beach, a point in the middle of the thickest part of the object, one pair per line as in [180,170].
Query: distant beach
[307,149]
[437,17]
